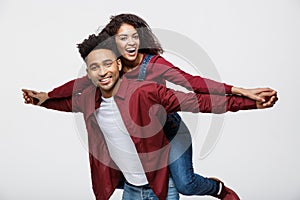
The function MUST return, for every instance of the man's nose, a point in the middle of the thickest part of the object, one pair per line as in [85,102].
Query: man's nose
[102,71]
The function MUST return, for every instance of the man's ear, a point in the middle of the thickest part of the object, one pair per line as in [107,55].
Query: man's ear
[119,64]
[86,69]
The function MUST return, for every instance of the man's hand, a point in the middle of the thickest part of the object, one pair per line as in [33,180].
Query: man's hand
[33,97]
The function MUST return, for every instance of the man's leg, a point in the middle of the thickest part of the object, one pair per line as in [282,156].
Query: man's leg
[132,192]
[172,191]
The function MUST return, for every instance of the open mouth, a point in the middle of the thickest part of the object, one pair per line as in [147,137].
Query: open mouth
[131,50]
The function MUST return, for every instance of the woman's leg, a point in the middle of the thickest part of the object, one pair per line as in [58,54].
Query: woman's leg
[180,162]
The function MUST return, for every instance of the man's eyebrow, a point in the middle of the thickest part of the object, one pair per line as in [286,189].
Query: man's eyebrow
[104,61]
[107,60]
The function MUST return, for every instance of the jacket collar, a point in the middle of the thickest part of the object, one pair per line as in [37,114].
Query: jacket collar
[121,93]
[93,99]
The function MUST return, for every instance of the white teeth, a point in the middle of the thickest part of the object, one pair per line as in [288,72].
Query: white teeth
[104,79]
[130,50]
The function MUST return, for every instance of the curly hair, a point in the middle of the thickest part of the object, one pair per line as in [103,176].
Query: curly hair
[149,44]
[100,41]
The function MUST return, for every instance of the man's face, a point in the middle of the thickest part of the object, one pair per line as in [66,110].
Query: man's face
[103,70]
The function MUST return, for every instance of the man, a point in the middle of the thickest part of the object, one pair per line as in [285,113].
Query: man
[124,119]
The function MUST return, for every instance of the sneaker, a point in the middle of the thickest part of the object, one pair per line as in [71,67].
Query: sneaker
[226,193]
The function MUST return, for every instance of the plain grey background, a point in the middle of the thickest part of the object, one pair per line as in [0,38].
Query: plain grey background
[252,44]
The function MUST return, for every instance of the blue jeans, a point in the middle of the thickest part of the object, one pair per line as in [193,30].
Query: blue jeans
[145,192]
[180,161]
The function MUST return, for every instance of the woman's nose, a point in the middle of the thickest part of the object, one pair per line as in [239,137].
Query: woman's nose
[131,41]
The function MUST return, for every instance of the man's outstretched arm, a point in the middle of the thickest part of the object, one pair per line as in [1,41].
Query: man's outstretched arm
[70,88]
[68,104]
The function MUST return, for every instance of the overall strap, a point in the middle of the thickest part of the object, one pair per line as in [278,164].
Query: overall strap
[143,67]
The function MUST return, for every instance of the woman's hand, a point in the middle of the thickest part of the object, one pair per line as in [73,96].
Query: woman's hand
[270,98]
[262,95]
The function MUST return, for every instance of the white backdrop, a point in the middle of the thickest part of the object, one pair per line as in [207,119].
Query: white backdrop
[252,43]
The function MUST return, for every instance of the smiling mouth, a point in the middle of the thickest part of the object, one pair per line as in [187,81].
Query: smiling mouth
[131,50]
[105,80]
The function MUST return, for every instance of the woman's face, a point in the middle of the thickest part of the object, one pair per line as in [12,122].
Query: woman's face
[128,42]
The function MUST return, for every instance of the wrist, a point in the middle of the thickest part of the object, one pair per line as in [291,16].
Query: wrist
[237,90]
[47,96]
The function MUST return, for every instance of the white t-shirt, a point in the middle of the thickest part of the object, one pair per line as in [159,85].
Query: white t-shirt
[120,146]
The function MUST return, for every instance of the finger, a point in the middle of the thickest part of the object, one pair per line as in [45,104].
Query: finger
[25,95]
[274,92]
[266,90]
[38,102]
[271,102]
[259,90]
[24,90]
[274,99]
[27,100]
[257,98]
[29,92]
[266,94]
[268,104]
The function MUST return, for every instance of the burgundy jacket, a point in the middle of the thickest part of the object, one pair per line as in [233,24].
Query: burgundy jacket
[140,104]
[158,70]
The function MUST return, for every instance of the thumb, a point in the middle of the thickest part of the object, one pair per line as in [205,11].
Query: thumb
[38,101]
[259,98]
[27,90]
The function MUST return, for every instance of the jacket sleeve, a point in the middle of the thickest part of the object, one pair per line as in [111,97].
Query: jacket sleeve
[174,101]
[69,104]
[197,84]
[75,86]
